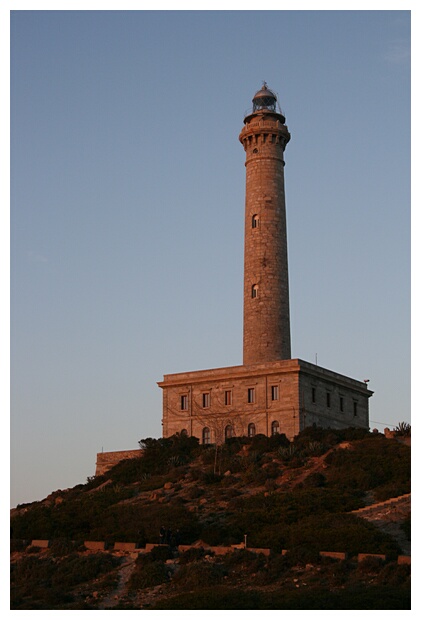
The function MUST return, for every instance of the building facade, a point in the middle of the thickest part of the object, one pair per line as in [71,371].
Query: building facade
[270,393]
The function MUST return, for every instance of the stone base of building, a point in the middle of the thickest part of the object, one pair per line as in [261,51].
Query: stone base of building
[284,396]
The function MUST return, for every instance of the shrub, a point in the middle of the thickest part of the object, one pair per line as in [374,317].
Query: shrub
[218,597]
[372,463]
[370,566]
[75,569]
[198,575]
[244,560]
[160,455]
[340,532]
[18,545]
[158,553]
[314,481]
[62,546]
[276,566]
[272,469]
[148,575]
[303,554]
[193,555]
[393,574]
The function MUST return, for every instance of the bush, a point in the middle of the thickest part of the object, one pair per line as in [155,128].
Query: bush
[75,569]
[148,575]
[244,561]
[160,455]
[158,553]
[341,532]
[372,463]
[193,555]
[276,566]
[18,545]
[395,574]
[314,481]
[218,597]
[44,582]
[198,575]
[62,546]
[370,566]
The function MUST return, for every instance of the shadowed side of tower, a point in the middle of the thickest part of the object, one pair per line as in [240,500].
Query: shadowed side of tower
[266,328]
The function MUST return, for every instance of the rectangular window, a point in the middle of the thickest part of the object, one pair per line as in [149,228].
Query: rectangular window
[250,395]
[274,392]
[355,407]
[184,402]
[228,397]
[341,403]
[327,399]
[313,395]
[206,399]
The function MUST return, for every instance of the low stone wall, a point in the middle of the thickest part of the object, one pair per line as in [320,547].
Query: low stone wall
[107,460]
[124,546]
[377,556]
[335,555]
[93,545]
[42,544]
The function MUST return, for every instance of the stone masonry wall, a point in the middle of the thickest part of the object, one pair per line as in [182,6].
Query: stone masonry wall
[266,335]
[107,460]
[281,394]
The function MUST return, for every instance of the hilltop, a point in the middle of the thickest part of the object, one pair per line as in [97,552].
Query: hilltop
[338,491]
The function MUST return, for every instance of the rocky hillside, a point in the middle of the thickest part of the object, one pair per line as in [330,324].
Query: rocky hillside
[325,491]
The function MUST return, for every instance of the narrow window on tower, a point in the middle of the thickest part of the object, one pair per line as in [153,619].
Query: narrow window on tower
[255,221]
[206,399]
[341,404]
[274,392]
[313,395]
[251,430]
[251,395]
[355,408]
[327,399]
[228,397]
[254,290]
[184,402]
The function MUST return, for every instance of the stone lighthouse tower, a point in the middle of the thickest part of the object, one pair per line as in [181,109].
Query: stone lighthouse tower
[266,335]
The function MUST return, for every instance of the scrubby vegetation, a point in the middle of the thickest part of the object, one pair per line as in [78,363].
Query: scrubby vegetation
[278,494]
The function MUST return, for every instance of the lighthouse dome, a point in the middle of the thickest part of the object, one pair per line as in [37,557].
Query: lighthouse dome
[264,98]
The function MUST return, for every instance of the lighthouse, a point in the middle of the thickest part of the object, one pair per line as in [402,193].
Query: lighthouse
[270,393]
[266,324]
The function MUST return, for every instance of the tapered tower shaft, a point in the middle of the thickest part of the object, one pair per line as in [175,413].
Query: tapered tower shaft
[266,327]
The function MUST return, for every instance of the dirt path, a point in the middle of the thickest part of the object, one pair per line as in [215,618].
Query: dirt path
[388,517]
[114,597]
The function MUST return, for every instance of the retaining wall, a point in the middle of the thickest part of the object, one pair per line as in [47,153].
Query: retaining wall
[93,545]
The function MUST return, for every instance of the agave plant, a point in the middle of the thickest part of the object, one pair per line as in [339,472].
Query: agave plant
[403,429]
[287,452]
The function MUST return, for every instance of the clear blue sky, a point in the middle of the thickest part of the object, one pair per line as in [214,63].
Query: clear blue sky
[127,198]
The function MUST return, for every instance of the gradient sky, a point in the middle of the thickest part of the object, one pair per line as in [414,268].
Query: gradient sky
[127,199]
